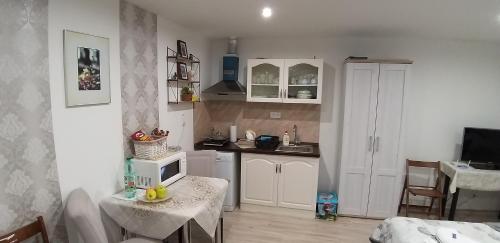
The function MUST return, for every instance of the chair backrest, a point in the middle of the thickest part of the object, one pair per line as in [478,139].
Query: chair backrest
[27,232]
[84,214]
[422,164]
[201,163]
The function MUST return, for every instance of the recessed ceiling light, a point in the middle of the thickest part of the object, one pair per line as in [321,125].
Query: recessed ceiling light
[267,12]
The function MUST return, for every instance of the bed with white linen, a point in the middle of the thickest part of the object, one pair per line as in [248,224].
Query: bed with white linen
[412,230]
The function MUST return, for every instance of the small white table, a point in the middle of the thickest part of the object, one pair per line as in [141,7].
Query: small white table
[197,198]
[466,178]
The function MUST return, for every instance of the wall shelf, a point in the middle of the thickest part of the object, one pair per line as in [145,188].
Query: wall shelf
[272,85]
[175,85]
[182,59]
[302,85]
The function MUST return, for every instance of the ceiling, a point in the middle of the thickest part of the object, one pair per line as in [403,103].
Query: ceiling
[447,19]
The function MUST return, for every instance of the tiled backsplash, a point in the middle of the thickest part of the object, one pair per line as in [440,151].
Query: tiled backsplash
[256,116]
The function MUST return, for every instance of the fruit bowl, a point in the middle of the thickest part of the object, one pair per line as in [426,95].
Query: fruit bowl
[141,196]
[143,199]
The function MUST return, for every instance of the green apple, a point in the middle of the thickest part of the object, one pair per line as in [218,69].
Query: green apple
[150,194]
[161,191]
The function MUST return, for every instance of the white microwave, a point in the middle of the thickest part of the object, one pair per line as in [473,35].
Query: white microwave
[150,173]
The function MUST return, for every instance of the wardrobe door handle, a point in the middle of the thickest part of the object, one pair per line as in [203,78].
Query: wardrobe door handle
[377,144]
[276,168]
[370,143]
[281,93]
[280,169]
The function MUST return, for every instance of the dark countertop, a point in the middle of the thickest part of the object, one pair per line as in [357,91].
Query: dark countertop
[232,147]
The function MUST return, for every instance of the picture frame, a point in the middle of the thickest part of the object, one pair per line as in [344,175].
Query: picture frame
[182,72]
[86,69]
[182,49]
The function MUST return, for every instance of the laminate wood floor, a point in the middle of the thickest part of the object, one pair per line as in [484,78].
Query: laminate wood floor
[243,227]
[251,227]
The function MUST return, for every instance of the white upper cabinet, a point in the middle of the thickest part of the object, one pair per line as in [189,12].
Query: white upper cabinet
[285,80]
[303,81]
[265,80]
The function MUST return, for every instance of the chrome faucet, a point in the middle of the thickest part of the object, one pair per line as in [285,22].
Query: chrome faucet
[295,137]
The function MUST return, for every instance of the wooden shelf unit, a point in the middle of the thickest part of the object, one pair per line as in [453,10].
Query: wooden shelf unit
[175,84]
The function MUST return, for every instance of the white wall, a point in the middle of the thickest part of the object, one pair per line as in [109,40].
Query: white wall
[88,140]
[178,118]
[454,84]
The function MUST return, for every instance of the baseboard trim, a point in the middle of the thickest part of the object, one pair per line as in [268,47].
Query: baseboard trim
[305,214]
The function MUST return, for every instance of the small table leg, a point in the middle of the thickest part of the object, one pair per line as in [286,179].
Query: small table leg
[180,234]
[445,192]
[222,230]
[454,201]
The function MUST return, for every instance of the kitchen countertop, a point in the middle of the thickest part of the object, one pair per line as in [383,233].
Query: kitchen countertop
[232,147]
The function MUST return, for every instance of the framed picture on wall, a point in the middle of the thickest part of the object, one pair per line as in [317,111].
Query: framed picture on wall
[182,71]
[182,49]
[86,69]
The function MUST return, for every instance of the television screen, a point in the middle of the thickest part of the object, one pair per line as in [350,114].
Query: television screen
[481,145]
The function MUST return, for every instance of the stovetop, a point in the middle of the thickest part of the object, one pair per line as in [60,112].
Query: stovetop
[215,142]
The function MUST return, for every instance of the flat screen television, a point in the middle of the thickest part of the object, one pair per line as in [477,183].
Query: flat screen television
[481,145]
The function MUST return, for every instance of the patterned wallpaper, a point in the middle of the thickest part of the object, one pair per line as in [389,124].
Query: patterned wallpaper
[28,171]
[138,38]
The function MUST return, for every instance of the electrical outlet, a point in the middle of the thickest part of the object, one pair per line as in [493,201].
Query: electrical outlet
[275,115]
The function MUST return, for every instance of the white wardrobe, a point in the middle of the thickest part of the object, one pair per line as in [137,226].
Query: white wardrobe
[371,170]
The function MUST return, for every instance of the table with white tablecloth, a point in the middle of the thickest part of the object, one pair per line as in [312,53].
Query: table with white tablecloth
[467,177]
[193,198]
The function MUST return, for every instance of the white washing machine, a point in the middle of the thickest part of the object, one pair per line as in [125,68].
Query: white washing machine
[227,166]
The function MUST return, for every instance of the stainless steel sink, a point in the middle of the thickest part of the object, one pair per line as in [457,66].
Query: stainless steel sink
[304,149]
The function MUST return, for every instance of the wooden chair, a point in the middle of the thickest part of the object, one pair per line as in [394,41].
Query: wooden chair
[27,232]
[433,192]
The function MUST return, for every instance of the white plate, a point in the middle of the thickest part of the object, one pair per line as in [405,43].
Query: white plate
[142,199]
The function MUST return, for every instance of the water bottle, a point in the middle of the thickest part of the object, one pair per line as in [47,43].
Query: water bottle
[130,188]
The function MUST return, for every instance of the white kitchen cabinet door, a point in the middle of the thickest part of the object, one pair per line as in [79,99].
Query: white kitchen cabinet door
[388,163]
[298,182]
[358,137]
[265,80]
[259,180]
[301,78]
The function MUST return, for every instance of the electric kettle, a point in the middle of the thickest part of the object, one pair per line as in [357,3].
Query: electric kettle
[250,135]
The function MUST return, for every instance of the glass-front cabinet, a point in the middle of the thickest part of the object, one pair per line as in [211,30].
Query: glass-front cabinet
[303,81]
[285,80]
[265,80]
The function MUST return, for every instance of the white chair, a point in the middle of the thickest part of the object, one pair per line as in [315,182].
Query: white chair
[84,214]
[201,163]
